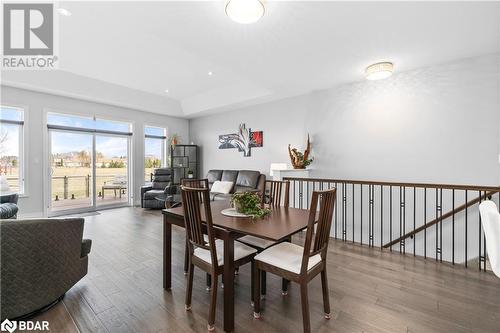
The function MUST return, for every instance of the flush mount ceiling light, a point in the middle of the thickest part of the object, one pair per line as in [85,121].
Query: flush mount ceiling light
[245,11]
[379,71]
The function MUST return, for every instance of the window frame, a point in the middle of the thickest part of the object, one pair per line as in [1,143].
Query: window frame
[164,153]
[22,153]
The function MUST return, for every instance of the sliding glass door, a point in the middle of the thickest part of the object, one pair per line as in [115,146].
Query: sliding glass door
[89,164]
[71,172]
[111,170]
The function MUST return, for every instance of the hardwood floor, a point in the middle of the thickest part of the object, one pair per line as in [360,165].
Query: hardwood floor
[370,290]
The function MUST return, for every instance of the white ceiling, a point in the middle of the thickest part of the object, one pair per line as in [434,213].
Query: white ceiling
[297,47]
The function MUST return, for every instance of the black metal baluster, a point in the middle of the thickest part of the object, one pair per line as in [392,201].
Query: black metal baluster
[370,215]
[441,225]
[336,210]
[403,208]
[372,234]
[453,227]
[401,242]
[436,226]
[301,194]
[425,222]
[466,201]
[390,215]
[480,258]
[344,222]
[307,195]
[381,216]
[484,243]
[414,218]
[361,209]
[353,199]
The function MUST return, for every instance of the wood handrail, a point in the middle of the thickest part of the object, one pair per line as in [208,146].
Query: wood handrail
[396,184]
[441,218]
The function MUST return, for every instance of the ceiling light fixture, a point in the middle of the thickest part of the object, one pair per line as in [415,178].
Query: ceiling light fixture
[63,12]
[210,73]
[379,71]
[166,90]
[245,11]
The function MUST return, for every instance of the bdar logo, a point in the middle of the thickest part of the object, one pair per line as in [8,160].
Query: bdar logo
[8,325]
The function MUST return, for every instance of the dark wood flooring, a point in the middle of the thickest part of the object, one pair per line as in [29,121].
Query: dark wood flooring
[370,290]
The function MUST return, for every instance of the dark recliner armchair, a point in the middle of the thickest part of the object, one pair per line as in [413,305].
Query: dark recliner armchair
[8,206]
[161,186]
[41,260]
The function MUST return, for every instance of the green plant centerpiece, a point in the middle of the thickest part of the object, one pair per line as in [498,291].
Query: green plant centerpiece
[248,203]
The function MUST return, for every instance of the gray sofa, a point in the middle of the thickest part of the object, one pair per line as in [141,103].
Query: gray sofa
[161,185]
[41,260]
[243,180]
[8,206]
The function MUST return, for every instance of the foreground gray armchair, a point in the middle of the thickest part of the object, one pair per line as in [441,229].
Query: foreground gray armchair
[41,259]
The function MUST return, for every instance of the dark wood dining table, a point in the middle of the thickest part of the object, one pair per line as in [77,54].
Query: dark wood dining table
[282,223]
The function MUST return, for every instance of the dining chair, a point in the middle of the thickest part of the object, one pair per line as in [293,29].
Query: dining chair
[194,183]
[301,264]
[206,252]
[490,219]
[275,192]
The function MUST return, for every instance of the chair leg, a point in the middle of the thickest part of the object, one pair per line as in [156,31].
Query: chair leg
[326,294]
[284,287]
[305,307]
[252,281]
[189,288]
[213,303]
[186,258]
[209,281]
[256,291]
[263,283]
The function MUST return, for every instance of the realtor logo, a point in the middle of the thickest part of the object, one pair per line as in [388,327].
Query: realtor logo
[28,29]
[28,36]
[8,326]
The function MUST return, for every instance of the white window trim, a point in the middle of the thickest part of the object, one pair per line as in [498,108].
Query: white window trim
[23,148]
[164,145]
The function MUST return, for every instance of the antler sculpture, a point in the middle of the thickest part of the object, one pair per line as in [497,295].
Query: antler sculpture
[300,160]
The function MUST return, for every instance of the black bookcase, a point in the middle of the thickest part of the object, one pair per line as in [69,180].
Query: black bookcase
[183,158]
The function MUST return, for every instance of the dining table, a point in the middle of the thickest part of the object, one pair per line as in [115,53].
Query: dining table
[279,225]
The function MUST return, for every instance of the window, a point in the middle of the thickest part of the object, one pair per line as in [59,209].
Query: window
[155,143]
[89,159]
[11,147]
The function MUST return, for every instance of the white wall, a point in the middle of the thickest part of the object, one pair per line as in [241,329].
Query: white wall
[439,124]
[35,103]
[434,124]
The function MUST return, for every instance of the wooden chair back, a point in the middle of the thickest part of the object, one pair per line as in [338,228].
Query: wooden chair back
[196,203]
[195,183]
[326,201]
[278,190]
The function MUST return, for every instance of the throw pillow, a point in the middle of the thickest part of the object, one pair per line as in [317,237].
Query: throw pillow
[222,187]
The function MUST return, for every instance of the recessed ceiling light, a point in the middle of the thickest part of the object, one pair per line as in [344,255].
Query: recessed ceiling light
[63,11]
[379,71]
[245,11]
[210,73]
[166,90]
